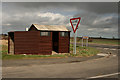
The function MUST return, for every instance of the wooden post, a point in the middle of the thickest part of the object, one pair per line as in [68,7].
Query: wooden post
[82,42]
[8,43]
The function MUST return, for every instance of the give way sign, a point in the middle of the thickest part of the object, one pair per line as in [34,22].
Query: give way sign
[74,23]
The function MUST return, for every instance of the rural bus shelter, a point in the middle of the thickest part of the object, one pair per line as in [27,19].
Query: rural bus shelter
[39,40]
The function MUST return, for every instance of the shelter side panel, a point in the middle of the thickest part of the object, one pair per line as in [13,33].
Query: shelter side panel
[64,43]
[26,42]
[45,44]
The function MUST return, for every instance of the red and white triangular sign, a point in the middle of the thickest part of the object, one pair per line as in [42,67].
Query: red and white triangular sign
[75,28]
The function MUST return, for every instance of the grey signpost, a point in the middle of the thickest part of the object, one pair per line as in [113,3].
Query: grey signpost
[74,43]
[74,22]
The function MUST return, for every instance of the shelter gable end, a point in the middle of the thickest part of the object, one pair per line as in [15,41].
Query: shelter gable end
[33,28]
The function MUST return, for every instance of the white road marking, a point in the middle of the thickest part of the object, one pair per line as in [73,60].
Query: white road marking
[114,55]
[104,75]
[105,48]
[113,49]
[102,54]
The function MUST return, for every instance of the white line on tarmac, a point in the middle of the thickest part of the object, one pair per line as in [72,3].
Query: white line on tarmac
[102,54]
[113,49]
[106,48]
[104,75]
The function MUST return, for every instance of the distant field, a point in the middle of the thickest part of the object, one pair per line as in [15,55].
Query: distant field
[104,41]
[4,46]
[101,41]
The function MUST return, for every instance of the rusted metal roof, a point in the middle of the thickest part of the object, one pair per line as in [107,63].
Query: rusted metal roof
[51,27]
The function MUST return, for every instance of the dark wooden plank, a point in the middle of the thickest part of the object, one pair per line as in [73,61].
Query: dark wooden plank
[64,44]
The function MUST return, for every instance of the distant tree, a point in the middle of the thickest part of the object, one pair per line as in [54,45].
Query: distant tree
[113,37]
[100,37]
[5,34]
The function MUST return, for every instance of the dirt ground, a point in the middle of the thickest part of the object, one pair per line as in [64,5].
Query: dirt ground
[4,42]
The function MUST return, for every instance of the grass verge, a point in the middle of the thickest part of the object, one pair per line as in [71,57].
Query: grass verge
[6,56]
[81,52]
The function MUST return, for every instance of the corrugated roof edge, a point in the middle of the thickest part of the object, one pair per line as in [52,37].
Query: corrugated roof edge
[50,25]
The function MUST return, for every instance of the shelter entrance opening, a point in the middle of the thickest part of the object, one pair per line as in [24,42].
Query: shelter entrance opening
[11,43]
[55,38]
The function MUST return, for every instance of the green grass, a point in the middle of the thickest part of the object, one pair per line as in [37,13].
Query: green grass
[6,56]
[81,51]
[4,48]
[102,41]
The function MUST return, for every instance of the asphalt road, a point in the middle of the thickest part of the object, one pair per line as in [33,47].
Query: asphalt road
[87,68]
[45,61]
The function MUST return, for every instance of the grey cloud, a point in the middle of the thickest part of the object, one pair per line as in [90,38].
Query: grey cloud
[96,7]
[94,20]
[90,12]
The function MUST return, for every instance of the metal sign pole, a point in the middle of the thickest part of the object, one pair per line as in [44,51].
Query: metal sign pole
[82,42]
[73,43]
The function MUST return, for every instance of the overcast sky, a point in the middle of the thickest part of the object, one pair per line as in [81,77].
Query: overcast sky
[98,19]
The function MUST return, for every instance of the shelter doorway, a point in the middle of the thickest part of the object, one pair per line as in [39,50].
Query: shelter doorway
[11,42]
[55,41]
